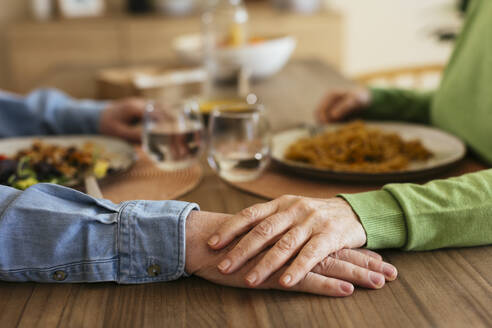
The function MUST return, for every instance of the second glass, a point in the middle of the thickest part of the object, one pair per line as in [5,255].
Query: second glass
[239,148]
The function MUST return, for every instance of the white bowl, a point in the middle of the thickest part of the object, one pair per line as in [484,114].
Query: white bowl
[262,59]
[174,7]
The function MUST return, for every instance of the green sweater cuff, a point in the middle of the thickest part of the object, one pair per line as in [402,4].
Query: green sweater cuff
[399,105]
[381,217]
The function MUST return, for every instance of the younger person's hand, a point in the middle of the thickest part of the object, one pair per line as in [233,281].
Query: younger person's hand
[120,118]
[339,105]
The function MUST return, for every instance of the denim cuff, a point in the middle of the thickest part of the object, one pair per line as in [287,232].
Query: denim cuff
[152,241]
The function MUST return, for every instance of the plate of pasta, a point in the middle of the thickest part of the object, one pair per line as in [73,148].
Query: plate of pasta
[367,151]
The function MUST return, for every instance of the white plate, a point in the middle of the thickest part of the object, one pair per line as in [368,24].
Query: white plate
[447,149]
[120,154]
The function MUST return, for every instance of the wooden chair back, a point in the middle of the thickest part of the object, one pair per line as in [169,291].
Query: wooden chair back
[417,77]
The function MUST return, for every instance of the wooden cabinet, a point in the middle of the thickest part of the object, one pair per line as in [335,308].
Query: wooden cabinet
[67,54]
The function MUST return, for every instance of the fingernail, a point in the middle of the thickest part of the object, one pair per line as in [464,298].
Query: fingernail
[286,279]
[214,240]
[251,278]
[346,288]
[389,271]
[376,279]
[224,265]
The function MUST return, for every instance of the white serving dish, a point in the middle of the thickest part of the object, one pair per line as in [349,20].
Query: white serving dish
[262,59]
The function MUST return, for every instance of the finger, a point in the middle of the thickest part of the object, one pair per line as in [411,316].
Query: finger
[135,106]
[343,109]
[240,223]
[365,261]
[314,283]
[349,272]
[278,255]
[130,133]
[369,253]
[255,241]
[136,113]
[326,105]
[311,254]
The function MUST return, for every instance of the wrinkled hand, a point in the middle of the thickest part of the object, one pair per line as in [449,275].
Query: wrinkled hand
[331,277]
[342,104]
[119,119]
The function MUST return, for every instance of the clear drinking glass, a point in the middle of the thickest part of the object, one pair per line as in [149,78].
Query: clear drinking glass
[173,136]
[239,145]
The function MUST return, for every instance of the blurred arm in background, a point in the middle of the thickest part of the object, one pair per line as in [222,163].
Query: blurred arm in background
[48,111]
[376,104]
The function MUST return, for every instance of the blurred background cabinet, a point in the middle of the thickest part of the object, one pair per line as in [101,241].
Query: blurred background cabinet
[67,54]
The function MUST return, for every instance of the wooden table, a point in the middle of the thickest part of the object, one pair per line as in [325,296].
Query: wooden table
[449,288]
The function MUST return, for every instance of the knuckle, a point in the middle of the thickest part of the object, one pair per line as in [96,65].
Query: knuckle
[238,252]
[327,265]
[250,212]
[357,274]
[267,264]
[287,243]
[337,255]
[303,203]
[369,263]
[347,255]
[287,197]
[327,285]
[309,253]
[264,229]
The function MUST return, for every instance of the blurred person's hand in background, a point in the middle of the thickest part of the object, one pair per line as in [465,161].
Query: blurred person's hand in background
[339,105]
[121,119]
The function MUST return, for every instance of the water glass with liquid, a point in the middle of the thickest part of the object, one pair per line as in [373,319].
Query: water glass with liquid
[239,142]
[173,136]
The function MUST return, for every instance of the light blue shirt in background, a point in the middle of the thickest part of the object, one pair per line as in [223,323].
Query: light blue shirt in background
[50,233]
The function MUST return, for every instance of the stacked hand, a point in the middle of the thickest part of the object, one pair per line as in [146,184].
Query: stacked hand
[332,275]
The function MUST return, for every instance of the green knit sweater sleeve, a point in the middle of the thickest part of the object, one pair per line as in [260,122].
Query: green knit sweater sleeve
[456,212]
[399,105]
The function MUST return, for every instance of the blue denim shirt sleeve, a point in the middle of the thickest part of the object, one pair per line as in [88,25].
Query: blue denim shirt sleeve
[47,111]
[50,233]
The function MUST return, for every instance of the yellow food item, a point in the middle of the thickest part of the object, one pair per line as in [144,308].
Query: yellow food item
[358,148]
[26,183]
[101,168]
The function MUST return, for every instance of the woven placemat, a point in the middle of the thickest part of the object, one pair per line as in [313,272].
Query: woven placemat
[275,183]
[145,181]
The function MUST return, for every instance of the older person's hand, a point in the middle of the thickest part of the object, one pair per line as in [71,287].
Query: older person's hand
[120,118]
[304,229]
[339,105]
[333,276]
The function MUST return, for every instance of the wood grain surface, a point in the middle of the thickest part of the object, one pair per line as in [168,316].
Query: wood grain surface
[447,288]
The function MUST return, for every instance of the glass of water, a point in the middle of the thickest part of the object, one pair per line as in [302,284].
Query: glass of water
[239,145]
[173,134]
